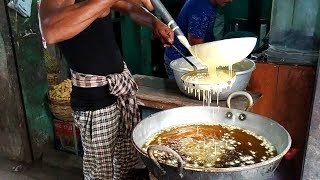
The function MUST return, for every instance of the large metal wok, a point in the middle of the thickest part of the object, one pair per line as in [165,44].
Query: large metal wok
[260,125]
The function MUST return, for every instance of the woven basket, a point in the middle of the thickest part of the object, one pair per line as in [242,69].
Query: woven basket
[61,109]
[53,79]
[51,62]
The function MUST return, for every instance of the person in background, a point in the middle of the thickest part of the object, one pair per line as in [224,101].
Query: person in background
[196,20]
[103,90]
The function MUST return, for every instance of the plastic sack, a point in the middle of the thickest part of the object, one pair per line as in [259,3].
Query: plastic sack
[23,7]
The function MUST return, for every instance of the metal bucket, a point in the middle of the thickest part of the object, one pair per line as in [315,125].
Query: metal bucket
[260,125]
[242,69]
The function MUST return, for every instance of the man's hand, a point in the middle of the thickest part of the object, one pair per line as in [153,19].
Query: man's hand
[145,3]
[143,17]
[163,32]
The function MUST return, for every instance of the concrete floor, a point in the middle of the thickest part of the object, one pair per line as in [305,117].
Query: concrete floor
[12,170]
[55,165]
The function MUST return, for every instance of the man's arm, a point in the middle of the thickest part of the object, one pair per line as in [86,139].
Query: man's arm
[136,13]
[63,19]
[143,17]
[193,40]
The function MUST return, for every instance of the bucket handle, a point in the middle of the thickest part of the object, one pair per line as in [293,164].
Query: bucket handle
[151,150]
[241,93]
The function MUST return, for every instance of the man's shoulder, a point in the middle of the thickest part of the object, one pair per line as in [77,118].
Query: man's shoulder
[200,7]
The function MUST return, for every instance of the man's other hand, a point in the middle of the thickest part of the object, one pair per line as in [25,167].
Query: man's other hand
[163,32]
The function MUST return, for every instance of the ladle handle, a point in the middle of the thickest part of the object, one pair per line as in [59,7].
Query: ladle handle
[184,57]
[240,93]
[157,4]
[151,150]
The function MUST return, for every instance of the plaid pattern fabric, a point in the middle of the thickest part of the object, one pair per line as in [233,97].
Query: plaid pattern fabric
[121,85]
[106,133]
[87,80]
[108,152]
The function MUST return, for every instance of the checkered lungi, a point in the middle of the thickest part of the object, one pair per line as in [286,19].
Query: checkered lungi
[106,133]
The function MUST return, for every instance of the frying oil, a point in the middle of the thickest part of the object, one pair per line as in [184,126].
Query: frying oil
[206,146]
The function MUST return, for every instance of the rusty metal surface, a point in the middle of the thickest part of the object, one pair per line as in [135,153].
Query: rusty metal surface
[286,88]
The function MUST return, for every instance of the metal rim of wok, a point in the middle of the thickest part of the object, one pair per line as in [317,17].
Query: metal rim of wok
[229,169]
